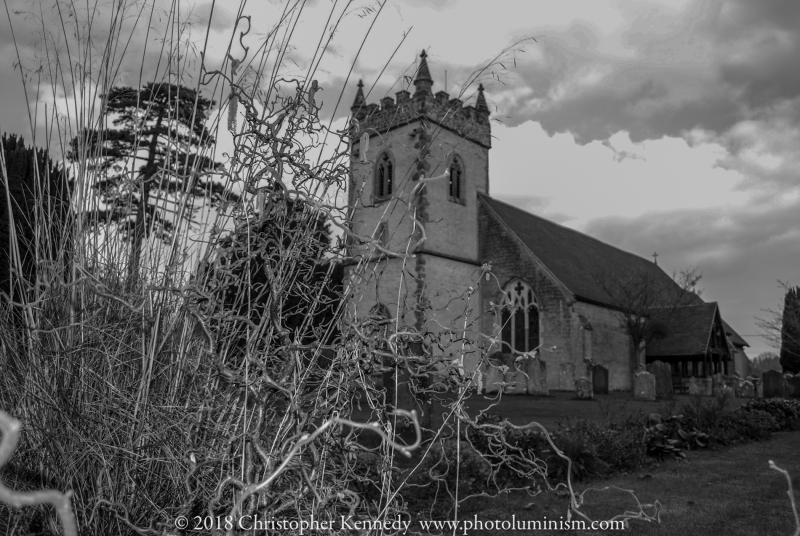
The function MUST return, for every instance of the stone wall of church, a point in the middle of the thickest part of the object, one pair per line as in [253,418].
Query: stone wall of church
[560,325]
[447,294]
[610,346]
[444,286]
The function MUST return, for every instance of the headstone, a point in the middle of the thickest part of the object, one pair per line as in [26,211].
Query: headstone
[537,377]
[773,384]
[600,380]
[694,386]
[794,386]
[746,390]
[515,378]
[706,386]
[583,388]
[566,377]
[716,383]
[723,384]
[493,378]
[663,374]
[644,386]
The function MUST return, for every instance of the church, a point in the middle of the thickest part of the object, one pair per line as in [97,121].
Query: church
[490,279]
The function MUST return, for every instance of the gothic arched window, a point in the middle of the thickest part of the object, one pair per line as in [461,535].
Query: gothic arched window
[456,186]
[384,176]
[520,318]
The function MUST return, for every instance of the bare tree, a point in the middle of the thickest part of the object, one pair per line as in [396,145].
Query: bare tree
[645,301]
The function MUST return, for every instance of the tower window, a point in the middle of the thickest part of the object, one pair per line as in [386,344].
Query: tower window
[520,318]
[384,177]
[456,185]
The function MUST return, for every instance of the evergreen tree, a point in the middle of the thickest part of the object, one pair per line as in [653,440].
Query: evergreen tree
[275,265]
[163,126]
[790,331]
[38,193]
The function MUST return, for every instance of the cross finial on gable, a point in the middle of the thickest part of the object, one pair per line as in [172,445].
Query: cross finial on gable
[655,258]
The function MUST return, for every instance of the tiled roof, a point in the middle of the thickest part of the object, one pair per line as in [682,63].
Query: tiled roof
[735,338]
[581,263]
[688,329]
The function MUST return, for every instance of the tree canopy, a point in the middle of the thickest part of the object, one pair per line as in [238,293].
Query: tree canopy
[162,127]
[273,271]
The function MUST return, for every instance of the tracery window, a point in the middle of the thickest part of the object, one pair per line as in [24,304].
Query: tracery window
[384,176]
[456,184]
[520,318]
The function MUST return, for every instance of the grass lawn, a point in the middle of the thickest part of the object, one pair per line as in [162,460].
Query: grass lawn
[728,492]
[560,405]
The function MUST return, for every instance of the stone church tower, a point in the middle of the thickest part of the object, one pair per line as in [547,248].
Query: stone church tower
[419,278]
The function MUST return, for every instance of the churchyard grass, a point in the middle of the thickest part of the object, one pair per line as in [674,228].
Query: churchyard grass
[561,406]
[730,492]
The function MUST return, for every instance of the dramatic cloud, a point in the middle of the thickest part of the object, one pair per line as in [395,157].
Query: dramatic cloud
[709,65]
[741,253]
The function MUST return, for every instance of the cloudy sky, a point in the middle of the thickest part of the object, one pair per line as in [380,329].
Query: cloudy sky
[668,126]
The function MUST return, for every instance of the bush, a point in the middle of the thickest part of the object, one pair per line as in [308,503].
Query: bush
[620,447]
[785,412]
[672,436]
[586,462]
[748,425]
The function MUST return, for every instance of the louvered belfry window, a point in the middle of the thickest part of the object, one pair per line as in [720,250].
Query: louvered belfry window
[384,176]
[520,318]
[456,185]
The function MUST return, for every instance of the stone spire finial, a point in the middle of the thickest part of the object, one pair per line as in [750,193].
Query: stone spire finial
[423,81]
[359,102]
[480,103]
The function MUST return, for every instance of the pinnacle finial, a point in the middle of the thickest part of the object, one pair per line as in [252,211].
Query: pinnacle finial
[480,103]
[423,80]
[359,101]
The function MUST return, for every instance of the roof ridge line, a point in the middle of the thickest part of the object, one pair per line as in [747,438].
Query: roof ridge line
[572,230]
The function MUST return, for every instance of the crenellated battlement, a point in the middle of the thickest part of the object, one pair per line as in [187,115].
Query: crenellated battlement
[471,122]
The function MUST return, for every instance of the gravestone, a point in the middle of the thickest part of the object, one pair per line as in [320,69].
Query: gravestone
[663,375]
[773,384]
[537,377]
[694,387]
[566,377]
[721,384]
[644,386]
[583,388]
[493,377]
[600,380]
[515,377]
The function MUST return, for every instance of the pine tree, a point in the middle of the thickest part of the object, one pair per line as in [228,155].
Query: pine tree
[163,126]
[790,331]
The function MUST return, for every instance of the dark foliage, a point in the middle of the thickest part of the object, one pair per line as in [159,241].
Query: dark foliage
[790,331]
[273,251]
[785,412]
[36,189]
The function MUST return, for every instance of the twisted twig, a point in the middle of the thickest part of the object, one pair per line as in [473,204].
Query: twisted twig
[11,427]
